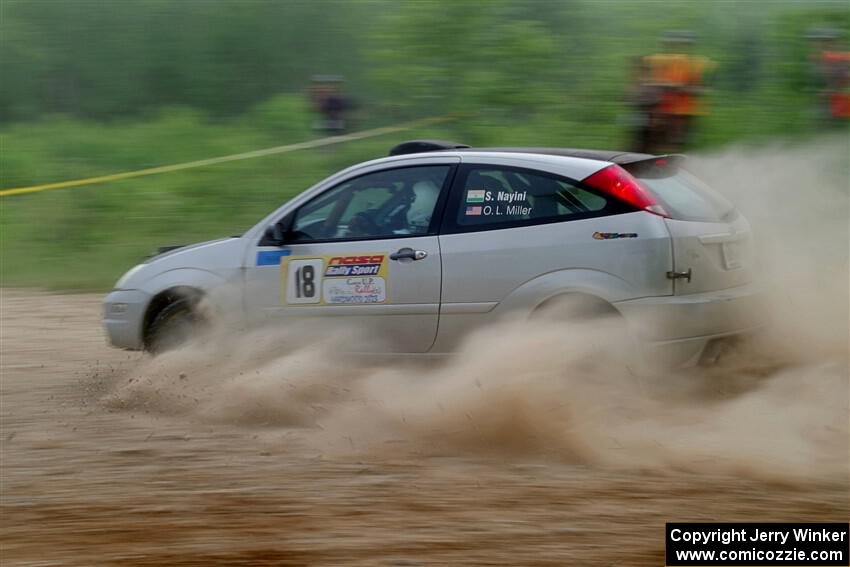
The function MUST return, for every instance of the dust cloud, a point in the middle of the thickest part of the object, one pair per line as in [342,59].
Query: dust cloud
[537,444]
[776,408]
[797,199]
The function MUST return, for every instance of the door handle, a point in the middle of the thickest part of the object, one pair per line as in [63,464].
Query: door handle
[409,254]
[679,275]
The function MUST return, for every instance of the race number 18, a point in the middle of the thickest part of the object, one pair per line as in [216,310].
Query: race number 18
[304,281]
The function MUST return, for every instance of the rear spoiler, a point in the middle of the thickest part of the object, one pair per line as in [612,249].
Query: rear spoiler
[419,146]
[653,167]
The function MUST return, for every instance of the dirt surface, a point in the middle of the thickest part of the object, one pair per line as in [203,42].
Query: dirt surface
[95,472]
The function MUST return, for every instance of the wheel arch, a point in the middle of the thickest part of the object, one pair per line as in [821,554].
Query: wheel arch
[585,304]
[597,286]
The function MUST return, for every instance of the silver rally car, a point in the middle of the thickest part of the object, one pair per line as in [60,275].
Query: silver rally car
[438,239]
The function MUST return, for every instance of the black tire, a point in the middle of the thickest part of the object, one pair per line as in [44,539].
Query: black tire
[173,326]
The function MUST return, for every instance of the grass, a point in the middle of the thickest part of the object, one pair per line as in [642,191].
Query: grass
[86,237]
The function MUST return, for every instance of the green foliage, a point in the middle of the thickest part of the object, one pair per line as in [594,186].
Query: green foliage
[464,56]
[91,89]
[86,237]
[99,60]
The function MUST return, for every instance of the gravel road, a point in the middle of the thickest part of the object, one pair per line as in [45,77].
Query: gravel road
[110,458]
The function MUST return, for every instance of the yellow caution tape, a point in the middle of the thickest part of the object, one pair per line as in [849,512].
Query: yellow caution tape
[234,157]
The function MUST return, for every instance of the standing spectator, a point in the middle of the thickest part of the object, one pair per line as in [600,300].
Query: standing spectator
[679,78]
[642,95]
[830,72]
[329,101]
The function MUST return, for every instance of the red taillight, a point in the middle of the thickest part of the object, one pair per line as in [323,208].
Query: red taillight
[619,183]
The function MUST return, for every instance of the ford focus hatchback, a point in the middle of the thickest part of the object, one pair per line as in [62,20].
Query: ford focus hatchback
[419,248]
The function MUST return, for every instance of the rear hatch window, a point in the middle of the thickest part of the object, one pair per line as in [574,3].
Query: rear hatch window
[682,195]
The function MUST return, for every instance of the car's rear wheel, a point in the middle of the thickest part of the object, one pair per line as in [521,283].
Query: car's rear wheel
[600,330]
[173,326]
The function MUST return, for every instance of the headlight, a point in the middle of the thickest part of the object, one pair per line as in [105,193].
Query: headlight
[117,309]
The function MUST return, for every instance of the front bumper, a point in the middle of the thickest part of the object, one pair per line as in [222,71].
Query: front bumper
[123,317]
[676,329]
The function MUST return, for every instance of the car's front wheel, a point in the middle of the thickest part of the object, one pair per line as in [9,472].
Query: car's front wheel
[173,326]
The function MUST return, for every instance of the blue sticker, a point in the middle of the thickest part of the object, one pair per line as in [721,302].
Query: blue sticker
[271,257]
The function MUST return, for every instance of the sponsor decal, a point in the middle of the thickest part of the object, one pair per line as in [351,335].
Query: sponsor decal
[613,235]
[334,280]
[353,291]
[345,266]
[475,196]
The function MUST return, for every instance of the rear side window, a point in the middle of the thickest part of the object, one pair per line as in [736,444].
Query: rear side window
[684,196]
[498,197]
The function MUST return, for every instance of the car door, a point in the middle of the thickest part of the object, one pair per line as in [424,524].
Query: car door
[507,226]
[361,256]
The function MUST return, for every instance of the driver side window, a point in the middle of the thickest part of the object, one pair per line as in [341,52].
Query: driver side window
[396,202]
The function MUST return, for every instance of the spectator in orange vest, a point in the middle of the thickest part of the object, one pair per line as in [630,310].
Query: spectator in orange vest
[679,78]
[831,75]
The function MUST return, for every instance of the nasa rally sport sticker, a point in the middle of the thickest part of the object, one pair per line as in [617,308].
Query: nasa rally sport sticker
[357,279]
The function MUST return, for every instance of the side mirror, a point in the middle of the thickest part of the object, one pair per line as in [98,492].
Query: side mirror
[273,235]
[276,233]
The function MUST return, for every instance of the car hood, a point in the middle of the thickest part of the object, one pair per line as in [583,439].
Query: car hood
[221,257]
[171,250]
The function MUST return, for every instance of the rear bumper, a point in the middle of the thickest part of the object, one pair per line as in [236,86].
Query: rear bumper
[676,329]
[123,315]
